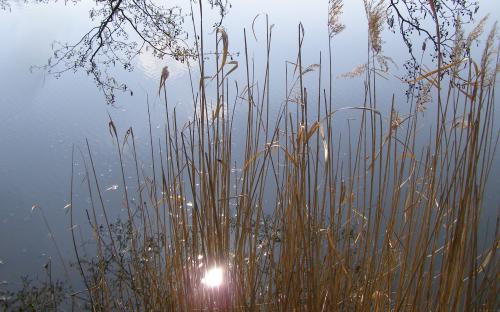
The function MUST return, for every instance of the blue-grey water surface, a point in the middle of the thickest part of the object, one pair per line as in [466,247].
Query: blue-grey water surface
[42,117]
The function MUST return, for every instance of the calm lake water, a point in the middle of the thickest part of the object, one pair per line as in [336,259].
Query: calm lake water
[42,117]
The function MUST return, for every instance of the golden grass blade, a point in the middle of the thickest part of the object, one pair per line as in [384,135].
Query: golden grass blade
[215,114]
[312,130]
[233,68]
[251,160]
[288,155]
[487,259]
[225,48]
[425,76]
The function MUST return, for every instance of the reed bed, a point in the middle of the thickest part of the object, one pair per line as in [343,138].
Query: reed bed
[299,214]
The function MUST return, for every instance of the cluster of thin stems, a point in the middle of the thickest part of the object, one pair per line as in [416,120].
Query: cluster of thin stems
[301,214]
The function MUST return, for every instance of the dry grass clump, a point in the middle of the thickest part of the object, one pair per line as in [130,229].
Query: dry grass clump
[302,213]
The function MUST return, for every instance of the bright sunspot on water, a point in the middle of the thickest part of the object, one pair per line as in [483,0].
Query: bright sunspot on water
[213,277]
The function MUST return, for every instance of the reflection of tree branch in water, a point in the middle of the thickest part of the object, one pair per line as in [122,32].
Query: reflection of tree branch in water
[103,26]
[125,29]
[128,28]
[402,21]
[436,21]
[416,13]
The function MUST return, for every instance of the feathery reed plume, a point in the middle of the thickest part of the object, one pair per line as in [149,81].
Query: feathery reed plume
[355,72]
[335,26]
[459,44]
[376,14]
[476,32]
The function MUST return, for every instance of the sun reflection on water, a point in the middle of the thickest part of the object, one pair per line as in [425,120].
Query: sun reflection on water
[213,277]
